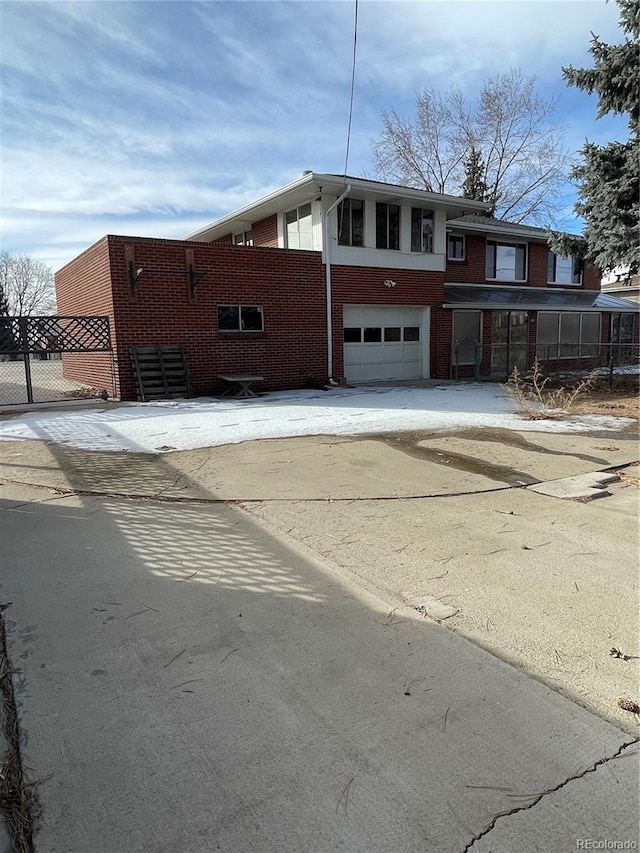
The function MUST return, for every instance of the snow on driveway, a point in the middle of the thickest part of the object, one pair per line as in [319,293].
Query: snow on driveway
[208,422]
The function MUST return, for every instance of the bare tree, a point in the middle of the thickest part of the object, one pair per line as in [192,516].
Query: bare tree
[26,285]
[510,129]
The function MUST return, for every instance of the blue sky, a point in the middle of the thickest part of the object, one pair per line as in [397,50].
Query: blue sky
[155,118]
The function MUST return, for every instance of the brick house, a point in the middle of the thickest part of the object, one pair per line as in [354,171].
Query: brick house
[352,279]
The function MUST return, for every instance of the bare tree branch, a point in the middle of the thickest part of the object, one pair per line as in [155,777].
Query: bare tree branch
[26,285]
[511,131]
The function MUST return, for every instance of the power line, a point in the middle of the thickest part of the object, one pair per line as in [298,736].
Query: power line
[353,80]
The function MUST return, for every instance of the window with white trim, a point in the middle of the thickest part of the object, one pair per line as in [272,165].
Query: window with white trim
[243,238]
[387,226]
[568,334]
[298,228]
[351,222]
[564,270]
[240,318]
[421,230]
[506,261]
[455,247]
[467,330]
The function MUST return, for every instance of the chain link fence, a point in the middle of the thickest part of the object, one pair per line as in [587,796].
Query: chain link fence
[31,351]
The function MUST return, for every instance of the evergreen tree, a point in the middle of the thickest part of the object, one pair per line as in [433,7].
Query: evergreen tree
[474,186]
[609,176]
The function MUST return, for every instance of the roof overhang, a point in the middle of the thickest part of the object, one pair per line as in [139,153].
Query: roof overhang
[492,297]
[520,232]
[311,184]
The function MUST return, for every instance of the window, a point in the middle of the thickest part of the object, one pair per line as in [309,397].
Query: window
[564,270]
[621,328]
[568,334]
[387,226]
[421,230]
[240,318]
[377,334]
[351,222]
[299,234]
[244,238]
[506,261]
[455,247]
[392,334]
[352,335]
[372,335]
[466,336]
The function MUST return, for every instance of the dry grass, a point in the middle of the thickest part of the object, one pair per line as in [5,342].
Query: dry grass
[18,801]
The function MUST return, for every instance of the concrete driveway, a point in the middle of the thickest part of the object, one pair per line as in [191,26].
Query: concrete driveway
[198,675]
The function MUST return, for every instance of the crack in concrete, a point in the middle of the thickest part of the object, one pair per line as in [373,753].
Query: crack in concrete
[538,797]
[328,499]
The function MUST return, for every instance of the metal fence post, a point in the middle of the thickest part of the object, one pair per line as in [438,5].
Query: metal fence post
[24,346]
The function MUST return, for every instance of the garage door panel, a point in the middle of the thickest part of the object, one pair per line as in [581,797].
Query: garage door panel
[396,351]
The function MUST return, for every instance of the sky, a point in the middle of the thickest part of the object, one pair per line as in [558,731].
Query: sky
[184,425]
[150,118]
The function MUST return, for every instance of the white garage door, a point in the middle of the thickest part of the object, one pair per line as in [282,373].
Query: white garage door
[385,343]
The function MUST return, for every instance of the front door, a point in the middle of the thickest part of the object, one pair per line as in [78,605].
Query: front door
[509,343]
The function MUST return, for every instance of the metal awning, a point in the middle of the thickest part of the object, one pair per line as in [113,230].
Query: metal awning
[482,296]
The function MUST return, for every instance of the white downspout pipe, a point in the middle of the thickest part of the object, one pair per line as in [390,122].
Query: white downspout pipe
[327,266]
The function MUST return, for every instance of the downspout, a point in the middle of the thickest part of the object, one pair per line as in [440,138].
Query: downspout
[327,264]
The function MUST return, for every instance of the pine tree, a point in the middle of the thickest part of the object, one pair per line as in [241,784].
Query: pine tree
[474,185]
[609,176]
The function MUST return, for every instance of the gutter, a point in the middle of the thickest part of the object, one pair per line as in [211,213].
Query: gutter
[327,266]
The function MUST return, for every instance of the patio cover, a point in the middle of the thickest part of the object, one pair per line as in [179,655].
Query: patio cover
[481,296]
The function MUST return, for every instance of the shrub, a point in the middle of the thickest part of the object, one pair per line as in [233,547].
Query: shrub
[537,401]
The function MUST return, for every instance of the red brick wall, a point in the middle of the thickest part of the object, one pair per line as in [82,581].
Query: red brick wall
[83,286]
[471,270]
[289,285]
[591,278]
[538,264]
[265,232]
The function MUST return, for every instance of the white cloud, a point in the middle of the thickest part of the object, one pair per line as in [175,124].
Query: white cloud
[155,115]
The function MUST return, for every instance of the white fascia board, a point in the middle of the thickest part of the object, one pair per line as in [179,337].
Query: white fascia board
[399,194]
[495,230]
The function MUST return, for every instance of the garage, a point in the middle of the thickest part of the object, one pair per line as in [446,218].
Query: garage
[383,342]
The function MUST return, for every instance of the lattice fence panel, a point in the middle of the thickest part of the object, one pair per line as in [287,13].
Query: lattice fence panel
[54,333]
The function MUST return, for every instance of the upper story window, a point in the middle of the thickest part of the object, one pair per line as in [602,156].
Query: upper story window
[387,226]
[564,270]
[298,227]
[455,247]
[421,230]
[351,222]
[244,238]
[506,261]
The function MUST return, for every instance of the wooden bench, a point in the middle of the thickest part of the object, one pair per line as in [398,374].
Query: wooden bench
[240,383]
